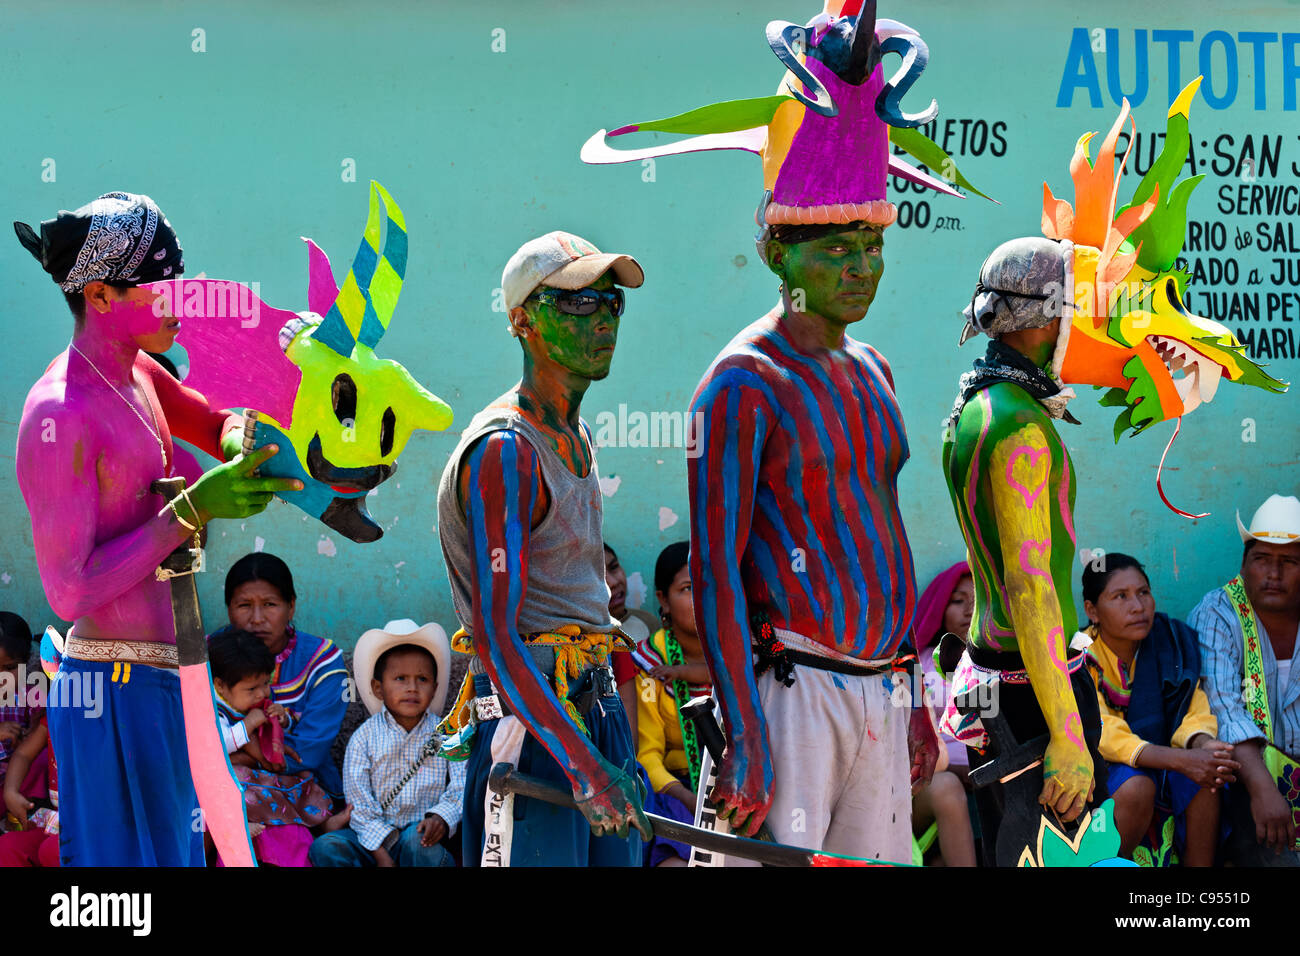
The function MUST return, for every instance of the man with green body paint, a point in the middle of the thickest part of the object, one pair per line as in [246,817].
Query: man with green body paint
[1012,486]
[1097,301]
[519,515]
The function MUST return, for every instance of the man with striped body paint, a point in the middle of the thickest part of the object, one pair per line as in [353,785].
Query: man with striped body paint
[794,513]
[519,516]
[794,516]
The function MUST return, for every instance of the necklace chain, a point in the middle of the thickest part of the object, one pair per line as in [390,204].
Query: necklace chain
[162,451]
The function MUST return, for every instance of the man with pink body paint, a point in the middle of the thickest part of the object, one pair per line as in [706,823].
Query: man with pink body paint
[96,430]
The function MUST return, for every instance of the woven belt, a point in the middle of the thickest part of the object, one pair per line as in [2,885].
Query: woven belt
[817,662]
[114,650]
[1010,666]
[597,683]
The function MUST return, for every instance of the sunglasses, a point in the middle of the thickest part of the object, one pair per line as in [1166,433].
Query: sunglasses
[582,301]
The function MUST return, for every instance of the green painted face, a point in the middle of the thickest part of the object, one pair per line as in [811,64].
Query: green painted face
[835,276]
[582,344]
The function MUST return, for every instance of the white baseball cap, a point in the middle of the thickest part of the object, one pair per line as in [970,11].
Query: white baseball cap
[1277,521]
[563,261]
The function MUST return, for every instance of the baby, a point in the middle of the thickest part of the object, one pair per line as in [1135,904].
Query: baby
[281,807]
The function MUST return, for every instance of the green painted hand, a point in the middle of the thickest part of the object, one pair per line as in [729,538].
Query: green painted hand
[615,805]
[232,491]
[233,444]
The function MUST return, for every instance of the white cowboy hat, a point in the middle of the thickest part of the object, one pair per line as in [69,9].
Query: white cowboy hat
[1277,521]
[374,642]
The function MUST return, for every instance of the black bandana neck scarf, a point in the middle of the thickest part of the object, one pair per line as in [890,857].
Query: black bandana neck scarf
[1001,363]
[121,238]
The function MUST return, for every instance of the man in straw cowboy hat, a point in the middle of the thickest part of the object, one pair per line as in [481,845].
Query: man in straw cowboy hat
[1247,634]
[405,797]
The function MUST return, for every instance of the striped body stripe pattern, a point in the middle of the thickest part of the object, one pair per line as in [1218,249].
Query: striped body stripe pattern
[794,507]
[504,473]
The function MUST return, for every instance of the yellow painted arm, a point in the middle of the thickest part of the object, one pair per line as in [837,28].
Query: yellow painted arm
[1020,473]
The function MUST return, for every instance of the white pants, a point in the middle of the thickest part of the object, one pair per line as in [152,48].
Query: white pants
[841,774]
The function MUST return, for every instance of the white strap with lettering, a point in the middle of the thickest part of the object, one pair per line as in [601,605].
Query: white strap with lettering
[499,810]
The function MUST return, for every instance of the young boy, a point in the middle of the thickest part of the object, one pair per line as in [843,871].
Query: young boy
[405,797]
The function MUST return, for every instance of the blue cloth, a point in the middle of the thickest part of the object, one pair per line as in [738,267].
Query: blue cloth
[661,804]
[1169,667]
[1174,793]
[544,834]
[343,848]
[1222,650]
[126,797]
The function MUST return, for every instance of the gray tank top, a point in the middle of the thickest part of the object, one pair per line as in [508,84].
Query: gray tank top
[566,555]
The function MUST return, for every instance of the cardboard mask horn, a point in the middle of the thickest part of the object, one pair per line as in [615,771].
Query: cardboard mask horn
[311,380]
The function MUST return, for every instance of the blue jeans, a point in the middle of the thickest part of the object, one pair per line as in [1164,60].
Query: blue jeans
[543,834]
[343,848]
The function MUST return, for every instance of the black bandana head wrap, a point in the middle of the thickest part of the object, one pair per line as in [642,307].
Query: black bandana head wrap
[1002,363]
[121,238]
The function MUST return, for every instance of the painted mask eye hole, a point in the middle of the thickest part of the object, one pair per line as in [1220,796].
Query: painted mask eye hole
[344,395]
[386,432]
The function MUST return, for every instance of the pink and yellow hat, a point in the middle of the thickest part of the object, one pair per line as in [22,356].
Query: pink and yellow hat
[825,136]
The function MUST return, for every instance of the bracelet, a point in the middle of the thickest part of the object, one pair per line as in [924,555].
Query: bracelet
[193,529]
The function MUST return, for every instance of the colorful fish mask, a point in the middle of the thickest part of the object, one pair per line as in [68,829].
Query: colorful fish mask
[824,138]
[340,414]
[1128,329]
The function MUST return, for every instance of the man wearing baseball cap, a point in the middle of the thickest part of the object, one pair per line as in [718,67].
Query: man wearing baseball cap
[1247,635]
[519,517]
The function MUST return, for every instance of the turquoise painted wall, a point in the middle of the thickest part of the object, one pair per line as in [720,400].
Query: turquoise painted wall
[245,144]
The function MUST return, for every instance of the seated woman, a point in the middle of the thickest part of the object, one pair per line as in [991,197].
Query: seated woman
[636,624]
[1167,770]
[945,608]
[309,680]
[671,671]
